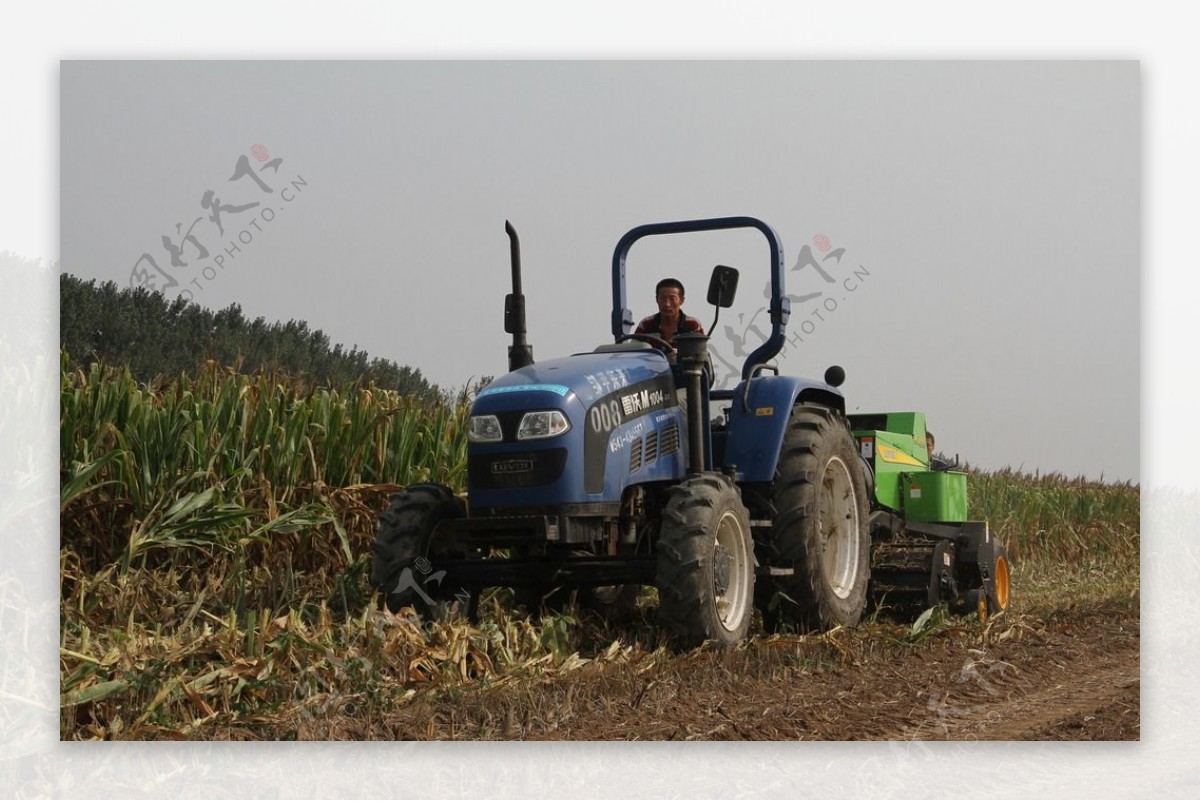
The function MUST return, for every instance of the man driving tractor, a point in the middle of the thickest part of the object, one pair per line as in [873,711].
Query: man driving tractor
[670,319]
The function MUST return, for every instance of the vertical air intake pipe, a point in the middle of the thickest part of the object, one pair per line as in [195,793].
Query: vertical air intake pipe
[520,352]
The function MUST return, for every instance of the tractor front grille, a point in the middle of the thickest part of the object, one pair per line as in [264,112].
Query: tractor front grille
[515,470]
[635,456]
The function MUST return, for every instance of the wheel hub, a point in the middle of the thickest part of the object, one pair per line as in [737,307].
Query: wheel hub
[1002,583]
[839,528]
[722,568]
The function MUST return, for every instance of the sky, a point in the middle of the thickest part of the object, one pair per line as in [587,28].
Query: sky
[962,237]
[910,177]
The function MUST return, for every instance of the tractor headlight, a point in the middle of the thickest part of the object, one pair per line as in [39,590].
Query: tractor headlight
[539,425]
[485,428]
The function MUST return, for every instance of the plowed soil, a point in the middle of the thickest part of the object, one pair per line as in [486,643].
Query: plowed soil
[1069,675]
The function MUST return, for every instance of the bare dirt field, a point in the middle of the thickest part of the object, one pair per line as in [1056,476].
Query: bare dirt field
[1072,674]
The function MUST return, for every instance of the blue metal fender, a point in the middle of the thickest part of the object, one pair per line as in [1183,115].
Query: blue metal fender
[758,420]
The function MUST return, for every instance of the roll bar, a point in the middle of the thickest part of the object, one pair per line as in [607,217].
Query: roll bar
[622,316]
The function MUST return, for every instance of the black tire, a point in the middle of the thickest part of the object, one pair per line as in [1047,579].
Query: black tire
[818,496]
[995,595]
[407,547]
[705,573]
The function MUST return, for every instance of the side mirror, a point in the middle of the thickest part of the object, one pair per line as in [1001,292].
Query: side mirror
[722,287]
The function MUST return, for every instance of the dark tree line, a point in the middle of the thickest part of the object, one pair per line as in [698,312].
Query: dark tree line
[154,336]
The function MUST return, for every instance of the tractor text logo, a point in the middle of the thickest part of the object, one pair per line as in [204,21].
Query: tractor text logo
[617,408]
[510,466]
[641,401]
[200,252]
[833,283]
[622,440]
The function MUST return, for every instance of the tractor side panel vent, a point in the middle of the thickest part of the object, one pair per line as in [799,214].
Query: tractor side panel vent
[651,447]
[635,456]
[670,440]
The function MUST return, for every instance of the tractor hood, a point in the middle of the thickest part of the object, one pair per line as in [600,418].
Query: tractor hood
[613,399]
[576,382]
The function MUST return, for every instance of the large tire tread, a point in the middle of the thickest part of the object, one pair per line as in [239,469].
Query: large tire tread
[403,537]
[688,606]
[815,435]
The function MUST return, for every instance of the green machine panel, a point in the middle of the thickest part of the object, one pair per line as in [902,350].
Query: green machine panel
[907,429]
[935,497]
[894,444]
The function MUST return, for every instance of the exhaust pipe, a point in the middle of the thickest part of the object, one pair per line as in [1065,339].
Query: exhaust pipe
[520,352]
[692,355]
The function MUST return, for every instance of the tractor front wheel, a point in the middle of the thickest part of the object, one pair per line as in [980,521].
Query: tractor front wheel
[705,572]
[407,549]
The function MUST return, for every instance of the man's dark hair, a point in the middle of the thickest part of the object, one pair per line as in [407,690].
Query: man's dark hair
[670,282]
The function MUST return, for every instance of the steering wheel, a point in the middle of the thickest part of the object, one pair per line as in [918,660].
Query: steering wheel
[656,341]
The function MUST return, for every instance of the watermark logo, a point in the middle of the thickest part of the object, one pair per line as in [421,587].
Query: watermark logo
[832,283]
[970,703]
[408,582]
[200,254]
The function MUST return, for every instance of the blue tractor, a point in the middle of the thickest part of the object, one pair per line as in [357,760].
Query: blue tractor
[602,472]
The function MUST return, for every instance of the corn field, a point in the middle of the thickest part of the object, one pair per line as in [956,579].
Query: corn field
[1052,518]
[224,462]
[215,545]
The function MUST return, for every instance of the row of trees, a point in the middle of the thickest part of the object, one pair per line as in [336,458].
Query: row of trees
[154,336]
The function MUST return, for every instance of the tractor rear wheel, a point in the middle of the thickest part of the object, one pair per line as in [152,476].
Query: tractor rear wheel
[407,549]
[819,528]
[705,571]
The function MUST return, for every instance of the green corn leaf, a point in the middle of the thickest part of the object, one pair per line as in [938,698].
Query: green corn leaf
[922,622]
[81,477]
[94,692]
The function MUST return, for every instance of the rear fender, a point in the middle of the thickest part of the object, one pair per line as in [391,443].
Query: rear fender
[758,420]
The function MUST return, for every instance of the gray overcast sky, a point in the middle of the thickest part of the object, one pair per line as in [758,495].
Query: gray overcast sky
[986,216]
